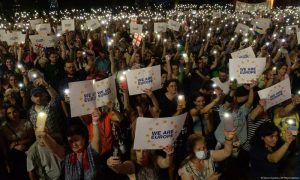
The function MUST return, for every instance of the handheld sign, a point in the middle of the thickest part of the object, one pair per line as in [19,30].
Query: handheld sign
[146,78]
[246,69]
[86,95]
[156,133]
[277,93]
[68,25]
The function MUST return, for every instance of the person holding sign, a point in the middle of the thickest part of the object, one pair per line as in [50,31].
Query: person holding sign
[84,160]
[267,151]
[144,164]
[200,162]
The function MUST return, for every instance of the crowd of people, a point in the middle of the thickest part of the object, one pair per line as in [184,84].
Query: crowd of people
[194,63]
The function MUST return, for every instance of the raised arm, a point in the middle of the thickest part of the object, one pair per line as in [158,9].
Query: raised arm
[213,103]
[96,141]
[168,160]
[257,110]
[155,103]
[52,145]
[285,111]
[276,156]
[50,90]
[251,94]
[220,155]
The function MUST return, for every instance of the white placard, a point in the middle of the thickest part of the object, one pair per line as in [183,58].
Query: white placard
[173,25]
[68,25]
[93,24]
[15,37]
[43,28]
[244,53]
[263,24]
[298,37]
[136,28]
[35,22]
[246,69]
[3,35]
[241,28]
[277,93]
[160,27]
[156,133]
[146,78]
[42,41]
[289,29]
[86,95]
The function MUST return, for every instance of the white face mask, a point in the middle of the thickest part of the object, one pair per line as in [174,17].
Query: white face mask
[200,154]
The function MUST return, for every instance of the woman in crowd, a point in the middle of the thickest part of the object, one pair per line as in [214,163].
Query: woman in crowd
[202,113]
[200,162]
[267,150]
[19,135]
[84,159]
[144,164]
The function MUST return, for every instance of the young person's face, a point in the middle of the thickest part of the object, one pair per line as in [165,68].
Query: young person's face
[172,88]
[175,69]
[200,101]
[77,143]
[271,140]
[38,98]
[12,114]
[142,156]
[223,76]
[70,68]
[163,78]
[53,58]
[282,70]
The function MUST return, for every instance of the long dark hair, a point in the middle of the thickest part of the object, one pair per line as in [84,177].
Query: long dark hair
[265,129]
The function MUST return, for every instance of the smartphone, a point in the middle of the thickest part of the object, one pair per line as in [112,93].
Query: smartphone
[293,129]
[229,124]
[181,101]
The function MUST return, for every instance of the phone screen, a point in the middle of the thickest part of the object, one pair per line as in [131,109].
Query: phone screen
[293,129]
[229,124]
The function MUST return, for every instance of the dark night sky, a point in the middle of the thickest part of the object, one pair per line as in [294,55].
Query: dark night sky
[43,4]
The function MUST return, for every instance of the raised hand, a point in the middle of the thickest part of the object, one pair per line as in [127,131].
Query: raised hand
[96,114]
[169,149]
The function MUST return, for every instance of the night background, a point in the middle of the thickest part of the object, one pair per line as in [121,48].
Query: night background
[10,5]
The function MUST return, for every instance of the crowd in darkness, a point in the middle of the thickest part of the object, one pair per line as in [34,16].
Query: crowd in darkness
[194,64]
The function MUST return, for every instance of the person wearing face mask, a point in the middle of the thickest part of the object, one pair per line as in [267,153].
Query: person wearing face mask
[199,165]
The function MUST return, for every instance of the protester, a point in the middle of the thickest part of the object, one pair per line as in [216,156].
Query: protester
[267,151]
[133,69]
